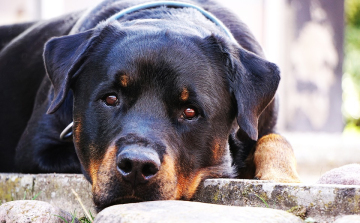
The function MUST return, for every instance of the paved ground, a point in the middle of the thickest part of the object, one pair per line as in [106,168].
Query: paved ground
[318,153]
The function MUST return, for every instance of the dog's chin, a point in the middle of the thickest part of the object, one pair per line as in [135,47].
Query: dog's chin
[121,200]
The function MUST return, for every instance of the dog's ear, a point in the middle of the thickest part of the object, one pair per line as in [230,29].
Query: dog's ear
[63,58]
[253,82]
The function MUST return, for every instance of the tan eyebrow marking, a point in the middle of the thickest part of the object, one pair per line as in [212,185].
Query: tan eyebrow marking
[184,96]
[124,80]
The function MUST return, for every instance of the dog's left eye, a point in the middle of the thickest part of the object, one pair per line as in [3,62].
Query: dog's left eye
[111,100]
[189,114]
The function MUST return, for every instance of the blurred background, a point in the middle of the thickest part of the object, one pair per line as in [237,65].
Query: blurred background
[316,44]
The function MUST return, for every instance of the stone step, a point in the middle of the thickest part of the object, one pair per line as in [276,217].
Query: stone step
[55,189]
[323,203]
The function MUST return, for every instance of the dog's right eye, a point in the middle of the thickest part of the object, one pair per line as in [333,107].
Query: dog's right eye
[111,100]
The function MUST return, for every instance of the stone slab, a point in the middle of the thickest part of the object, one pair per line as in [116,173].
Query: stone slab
[55,189]
[322,202]
[191,212]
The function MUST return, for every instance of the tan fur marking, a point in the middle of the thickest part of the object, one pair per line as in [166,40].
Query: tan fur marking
[274,160]
[180,187]
[77,131]
[93,166]
[167,176]
[184,94]
[93,169]
[217,154]
[124,80]
[192,187]
[107,163]
[186,187]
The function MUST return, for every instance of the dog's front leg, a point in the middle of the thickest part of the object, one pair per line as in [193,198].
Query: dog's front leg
[272,158]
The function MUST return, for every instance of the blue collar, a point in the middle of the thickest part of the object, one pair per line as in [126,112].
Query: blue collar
[148,5]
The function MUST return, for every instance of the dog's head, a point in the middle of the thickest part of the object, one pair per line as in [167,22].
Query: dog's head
[153,110]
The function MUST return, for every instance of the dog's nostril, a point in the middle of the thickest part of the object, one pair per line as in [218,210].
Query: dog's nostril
[149,169]
[125,166]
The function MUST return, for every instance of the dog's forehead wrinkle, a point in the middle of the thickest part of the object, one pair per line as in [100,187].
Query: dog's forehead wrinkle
[152,58]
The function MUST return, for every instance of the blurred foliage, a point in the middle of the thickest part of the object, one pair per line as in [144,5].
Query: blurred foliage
[351,78]
[352,11]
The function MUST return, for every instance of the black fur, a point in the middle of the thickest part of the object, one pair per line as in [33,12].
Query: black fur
[21,73]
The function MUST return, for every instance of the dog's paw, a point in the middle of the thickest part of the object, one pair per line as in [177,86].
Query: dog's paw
[279,176]
[274,160]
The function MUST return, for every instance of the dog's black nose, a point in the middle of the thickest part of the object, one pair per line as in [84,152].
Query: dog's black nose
[138,165]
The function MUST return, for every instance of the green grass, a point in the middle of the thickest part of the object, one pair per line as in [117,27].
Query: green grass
[89,218]
[262,200]
[62,218]
[36,195]
[83,219]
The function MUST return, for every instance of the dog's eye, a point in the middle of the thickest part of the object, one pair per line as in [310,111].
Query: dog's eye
[189,113]
[111,100]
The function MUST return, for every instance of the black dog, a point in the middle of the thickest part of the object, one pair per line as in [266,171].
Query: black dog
[161,96]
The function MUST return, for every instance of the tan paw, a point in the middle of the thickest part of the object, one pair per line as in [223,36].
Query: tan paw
[274,160]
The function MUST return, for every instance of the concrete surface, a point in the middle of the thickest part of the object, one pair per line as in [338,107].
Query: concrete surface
[324,203]
[52,188]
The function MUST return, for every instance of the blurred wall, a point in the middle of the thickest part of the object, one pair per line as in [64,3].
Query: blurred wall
[313,94]
[15,11]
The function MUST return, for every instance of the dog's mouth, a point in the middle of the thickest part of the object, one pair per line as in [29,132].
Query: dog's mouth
[120,200]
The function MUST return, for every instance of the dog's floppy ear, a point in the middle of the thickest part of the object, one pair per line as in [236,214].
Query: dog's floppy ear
[253,82]
[63,58]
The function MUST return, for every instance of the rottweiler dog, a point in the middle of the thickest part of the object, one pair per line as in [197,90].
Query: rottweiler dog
[162,95]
